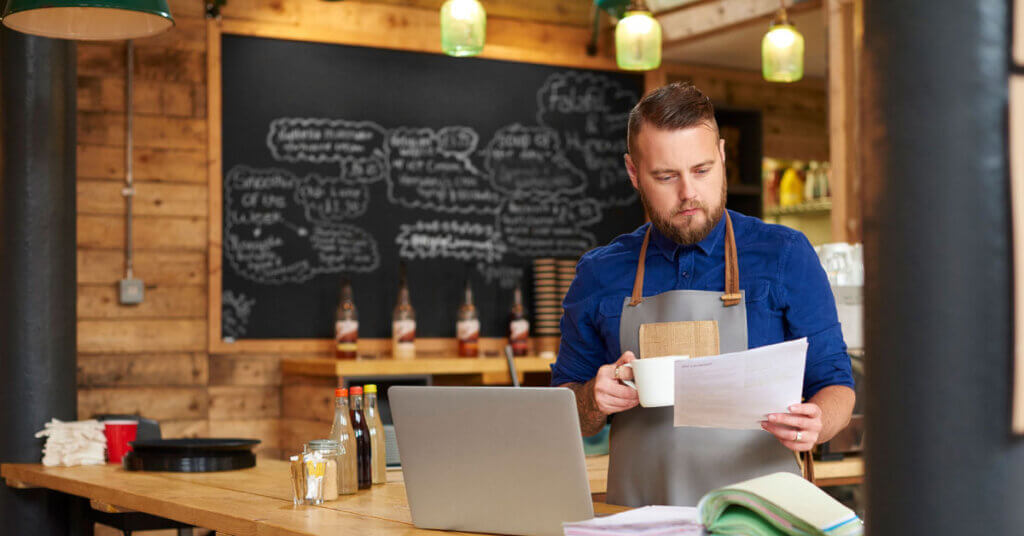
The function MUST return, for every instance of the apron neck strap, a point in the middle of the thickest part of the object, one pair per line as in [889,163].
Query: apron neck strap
[732,271]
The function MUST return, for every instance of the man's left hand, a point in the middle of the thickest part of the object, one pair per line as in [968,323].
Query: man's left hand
[797,430]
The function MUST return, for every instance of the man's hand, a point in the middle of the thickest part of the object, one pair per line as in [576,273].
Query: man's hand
[797,430]
[610,395]
[604,394]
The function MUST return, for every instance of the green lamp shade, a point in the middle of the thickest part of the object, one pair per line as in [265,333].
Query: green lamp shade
[638,42]
[463,27]
[782,54]
[88,19]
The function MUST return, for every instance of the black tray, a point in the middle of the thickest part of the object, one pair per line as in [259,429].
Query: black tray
[199,455]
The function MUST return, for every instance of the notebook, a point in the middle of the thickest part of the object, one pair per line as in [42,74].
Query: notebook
[779,504]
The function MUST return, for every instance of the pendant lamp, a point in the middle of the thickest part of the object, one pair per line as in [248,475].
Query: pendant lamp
[88,19]
[638,39]
[782,51]
[463,27]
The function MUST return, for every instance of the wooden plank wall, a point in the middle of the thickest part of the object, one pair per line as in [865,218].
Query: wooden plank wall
[152,359]
[794,116]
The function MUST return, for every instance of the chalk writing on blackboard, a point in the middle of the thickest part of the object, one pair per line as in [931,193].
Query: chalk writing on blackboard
[236,308]
[437,239]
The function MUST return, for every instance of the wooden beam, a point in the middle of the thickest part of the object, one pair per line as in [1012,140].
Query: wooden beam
[844,45]
[701,19]
[568,12]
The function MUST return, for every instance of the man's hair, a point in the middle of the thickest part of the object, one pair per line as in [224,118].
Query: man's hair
[676,106]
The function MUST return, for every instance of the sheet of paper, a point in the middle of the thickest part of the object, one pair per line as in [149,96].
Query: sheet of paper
[644,521]
[739,390]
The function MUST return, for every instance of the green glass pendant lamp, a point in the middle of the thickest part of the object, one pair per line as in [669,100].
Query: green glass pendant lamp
[463,27]
[638,39]
[88,20]
[782,51]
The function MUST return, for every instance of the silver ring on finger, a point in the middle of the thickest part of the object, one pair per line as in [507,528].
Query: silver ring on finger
[799,436]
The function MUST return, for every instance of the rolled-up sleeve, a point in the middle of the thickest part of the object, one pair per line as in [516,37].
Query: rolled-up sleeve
[810,311]
[581,351]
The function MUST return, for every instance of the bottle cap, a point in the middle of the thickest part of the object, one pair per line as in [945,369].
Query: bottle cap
[356,391]
[341,392]
[370,389]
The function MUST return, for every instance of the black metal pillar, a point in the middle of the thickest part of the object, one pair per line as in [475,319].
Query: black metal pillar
[37,264]
[941,459]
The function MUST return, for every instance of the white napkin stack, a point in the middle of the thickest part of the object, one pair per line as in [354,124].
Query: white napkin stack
[74,443]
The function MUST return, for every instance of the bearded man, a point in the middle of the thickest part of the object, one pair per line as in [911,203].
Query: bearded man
[696,261]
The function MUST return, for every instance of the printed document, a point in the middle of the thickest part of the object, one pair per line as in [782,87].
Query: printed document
[739,390]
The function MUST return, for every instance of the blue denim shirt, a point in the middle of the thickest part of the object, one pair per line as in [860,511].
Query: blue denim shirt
[787,294]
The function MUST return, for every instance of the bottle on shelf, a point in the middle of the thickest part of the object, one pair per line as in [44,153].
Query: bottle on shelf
[344,434]
[346,324]
[378,452]
[812,187]
[467,325]
[791,187]
[362,437]
[826,178]
[403,321]
[518,325]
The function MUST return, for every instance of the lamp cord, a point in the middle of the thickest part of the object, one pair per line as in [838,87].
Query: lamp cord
[129,184]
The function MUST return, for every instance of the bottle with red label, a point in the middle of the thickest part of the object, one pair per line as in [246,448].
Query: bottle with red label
[403,321]
[346,324]
[362,435]
[467,327]
[518,325]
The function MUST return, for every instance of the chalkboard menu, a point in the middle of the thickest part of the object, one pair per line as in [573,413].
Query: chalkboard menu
[342,161]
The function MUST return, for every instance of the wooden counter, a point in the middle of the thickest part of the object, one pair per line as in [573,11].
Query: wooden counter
[440,365]
[255,501]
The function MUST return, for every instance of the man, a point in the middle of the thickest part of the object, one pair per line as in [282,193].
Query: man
[683,267]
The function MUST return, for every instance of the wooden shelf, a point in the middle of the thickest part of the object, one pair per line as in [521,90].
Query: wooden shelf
[327,367]
[815,207]
[744,189]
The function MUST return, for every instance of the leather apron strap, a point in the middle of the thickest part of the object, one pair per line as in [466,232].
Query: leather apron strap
[732,294]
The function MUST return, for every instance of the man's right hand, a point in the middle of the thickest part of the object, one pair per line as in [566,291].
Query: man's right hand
[610,395]
[604,394]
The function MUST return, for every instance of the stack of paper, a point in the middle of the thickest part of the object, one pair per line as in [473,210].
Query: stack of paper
[646,521]
[780,504]
[74,443]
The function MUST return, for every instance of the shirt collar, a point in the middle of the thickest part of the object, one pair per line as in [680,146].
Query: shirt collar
[668,247]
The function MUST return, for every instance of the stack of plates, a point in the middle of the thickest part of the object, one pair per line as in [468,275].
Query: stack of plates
[551,280]
[547,300]
[566,273]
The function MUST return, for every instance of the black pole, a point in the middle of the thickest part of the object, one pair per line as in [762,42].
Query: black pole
[37,264]
[941,457]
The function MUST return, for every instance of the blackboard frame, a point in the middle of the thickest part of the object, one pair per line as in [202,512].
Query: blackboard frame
[215,30]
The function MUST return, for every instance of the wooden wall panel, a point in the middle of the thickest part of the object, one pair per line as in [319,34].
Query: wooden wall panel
[101,301]
[156,199]
[160,403]
[177,267]
[240,369]
[148,164]
[244,401]
[114,370]
[174,234]
[137,336]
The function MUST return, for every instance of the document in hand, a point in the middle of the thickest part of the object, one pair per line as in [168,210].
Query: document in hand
[779,504]
[739,390]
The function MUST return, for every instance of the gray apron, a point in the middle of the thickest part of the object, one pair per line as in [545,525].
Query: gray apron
[652,461]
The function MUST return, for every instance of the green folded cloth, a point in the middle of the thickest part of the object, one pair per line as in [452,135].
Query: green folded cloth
[780,504]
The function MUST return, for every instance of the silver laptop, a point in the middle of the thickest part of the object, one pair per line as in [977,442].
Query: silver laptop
[491,459]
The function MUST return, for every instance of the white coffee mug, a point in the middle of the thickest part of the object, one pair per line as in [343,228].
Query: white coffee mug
[654,380]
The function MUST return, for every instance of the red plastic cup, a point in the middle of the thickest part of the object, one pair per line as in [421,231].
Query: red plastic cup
[119,433]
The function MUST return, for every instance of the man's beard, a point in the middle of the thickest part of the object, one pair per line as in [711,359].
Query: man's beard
[682,233]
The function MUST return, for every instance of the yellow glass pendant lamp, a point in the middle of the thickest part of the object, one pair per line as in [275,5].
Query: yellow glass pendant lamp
[638,39]
[782,51]
[463,27]
[88,19]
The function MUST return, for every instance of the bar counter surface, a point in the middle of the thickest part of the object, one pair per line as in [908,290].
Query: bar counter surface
[248,502]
